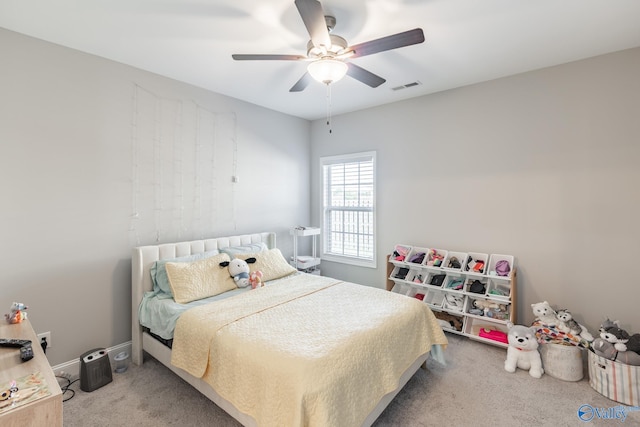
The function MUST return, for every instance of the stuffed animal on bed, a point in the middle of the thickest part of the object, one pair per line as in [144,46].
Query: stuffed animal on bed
[239,270]
[522,351]
[17,314]
[255,279]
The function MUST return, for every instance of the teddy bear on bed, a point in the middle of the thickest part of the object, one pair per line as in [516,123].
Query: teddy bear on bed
[239,270]
[522,351]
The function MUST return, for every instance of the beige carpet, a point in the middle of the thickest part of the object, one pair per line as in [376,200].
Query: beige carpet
[473,389]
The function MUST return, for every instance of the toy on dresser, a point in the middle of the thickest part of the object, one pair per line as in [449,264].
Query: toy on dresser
[17,314]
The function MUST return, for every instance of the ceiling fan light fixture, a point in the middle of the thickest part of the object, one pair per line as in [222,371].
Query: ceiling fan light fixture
[327,71]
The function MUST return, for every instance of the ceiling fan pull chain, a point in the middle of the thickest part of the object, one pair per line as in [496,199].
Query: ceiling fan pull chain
[329,106]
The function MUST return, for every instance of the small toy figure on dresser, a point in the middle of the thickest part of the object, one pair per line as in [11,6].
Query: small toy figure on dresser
[18,313]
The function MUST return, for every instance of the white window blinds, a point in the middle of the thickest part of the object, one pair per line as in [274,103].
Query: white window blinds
[349,208]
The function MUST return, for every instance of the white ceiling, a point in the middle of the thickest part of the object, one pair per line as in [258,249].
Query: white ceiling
[467,41]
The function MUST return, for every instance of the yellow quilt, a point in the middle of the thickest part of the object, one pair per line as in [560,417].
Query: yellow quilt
[306,351]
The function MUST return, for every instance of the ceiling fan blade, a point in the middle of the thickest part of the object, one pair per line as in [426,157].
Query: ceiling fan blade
[302,83]
[394,41]
[261,57]
[364,76]
[313,17]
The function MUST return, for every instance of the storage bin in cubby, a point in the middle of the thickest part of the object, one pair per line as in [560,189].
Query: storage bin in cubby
[436,256]
[416,276]
[450,322]
[472,263]
[454,283]
[499,289]
[412,291]
[434,298]
[459,257]
[400,288]
[496,310]
[469,284]
[493,261]
[399,249]
[453,301]
[399,273]
[474,326]
[420,294]
[435,279]
[417,252]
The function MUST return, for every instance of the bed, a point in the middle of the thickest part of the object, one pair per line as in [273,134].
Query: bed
[304,350]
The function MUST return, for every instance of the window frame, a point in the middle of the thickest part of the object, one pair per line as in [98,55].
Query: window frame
[347,259]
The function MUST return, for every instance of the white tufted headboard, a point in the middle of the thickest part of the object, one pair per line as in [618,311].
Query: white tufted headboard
[143,258]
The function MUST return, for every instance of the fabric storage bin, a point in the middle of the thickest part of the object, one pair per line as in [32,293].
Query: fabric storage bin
[563,362]
[615,380]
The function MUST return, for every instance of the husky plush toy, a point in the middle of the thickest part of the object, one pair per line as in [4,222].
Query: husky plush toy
[621,340]
[523,351]
[566,323]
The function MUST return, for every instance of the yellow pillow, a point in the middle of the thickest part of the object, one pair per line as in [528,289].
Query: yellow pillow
[192,281]
[271,263]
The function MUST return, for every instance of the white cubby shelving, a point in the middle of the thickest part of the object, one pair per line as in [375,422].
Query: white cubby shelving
[472,294]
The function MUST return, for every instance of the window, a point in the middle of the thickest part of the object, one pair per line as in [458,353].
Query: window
[348,208]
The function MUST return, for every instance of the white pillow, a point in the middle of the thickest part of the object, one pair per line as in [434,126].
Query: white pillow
[250,248]
[270,262]
[204,278]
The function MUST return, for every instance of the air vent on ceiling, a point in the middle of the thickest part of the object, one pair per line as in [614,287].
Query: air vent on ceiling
[408,85]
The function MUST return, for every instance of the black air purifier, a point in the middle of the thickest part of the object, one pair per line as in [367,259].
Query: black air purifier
[95,369]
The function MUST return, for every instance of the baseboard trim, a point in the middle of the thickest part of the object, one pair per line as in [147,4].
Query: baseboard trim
[72,367]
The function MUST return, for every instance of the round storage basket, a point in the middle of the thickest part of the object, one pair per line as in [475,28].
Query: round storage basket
[564,362]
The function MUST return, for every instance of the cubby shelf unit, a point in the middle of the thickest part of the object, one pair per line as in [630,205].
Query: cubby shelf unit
[451,282]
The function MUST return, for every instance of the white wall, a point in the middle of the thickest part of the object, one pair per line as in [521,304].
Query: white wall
[542,165]
[66,173]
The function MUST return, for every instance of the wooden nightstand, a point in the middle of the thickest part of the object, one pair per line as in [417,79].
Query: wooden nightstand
[46,411]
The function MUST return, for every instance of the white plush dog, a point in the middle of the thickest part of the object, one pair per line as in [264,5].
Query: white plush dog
[523,351]
[544,313]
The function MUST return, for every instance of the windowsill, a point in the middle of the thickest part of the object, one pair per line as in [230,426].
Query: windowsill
[349,260]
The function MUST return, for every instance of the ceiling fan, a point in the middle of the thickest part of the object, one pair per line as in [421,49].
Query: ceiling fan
[327,52]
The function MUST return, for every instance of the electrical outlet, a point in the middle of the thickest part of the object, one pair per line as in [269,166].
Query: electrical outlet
[46,335]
